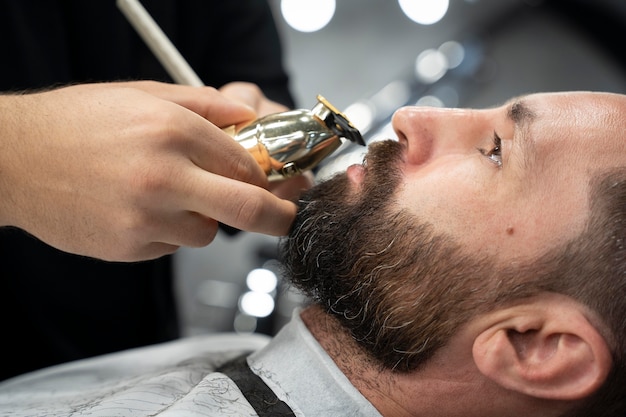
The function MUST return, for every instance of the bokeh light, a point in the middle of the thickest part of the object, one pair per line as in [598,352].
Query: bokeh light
[256,304]
[430,66]
[424,12]
[307,15]
[262,280]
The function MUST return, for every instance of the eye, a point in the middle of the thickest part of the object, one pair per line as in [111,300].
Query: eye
[495,154]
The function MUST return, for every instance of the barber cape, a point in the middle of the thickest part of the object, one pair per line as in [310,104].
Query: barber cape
[180,378]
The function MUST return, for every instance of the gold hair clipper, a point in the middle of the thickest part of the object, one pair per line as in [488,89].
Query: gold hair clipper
[289,143]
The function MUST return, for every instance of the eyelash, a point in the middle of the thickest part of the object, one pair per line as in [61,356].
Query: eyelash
[495,154]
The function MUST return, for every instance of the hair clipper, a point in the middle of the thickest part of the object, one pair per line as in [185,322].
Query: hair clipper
[289,143]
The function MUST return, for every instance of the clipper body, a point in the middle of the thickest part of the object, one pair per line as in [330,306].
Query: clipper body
[289,143]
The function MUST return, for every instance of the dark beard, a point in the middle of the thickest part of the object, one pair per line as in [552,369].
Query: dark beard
[400,289]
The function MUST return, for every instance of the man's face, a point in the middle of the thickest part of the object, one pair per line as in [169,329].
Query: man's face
[528,195]
[404,248]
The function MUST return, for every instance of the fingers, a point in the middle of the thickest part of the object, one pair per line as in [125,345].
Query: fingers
[291,189]
[244,204]
[240,205]
[212,150]
[242,92]
[208,102]
[162,233]
[187,228]
[192,229]
[251,95]
[248,208]
[211,174]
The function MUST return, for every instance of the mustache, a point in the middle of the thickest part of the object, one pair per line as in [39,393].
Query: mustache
[384,156]
[382,173]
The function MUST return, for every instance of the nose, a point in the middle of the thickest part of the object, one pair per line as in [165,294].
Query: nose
[429,132]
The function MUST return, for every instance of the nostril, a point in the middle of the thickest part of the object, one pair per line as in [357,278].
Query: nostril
[401,122]
[411,126]
[401,137]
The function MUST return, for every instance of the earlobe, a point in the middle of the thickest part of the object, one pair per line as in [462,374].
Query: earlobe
[547,349]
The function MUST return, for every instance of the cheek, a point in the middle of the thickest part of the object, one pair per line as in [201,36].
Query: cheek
[549,215]
[466,202]
[454,197]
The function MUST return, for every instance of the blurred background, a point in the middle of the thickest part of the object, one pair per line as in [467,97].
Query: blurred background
[369,57]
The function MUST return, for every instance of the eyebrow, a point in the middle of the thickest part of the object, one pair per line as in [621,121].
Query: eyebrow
[520,113]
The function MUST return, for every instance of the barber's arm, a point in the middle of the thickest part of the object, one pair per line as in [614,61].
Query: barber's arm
[130,171]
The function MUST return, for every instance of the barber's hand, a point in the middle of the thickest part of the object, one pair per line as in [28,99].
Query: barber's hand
[130,171]
[251,95]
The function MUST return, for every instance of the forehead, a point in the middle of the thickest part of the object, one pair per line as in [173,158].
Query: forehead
[591,112]
[587,126]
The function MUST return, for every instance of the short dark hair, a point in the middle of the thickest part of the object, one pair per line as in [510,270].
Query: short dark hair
[596,276]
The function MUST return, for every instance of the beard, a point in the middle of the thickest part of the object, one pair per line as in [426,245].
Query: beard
[400,289]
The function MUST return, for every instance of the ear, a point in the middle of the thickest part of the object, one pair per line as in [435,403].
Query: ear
[545,348]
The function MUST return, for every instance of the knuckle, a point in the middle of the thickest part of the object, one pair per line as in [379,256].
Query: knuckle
[145,85]
[148,180]
[210,90]
[243,168]
[203,235]
[250,212]
[133,225]
[150,251]
[138,230]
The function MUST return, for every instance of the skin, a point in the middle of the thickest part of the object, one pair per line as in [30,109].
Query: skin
[539,356]
[132,171]
[539,193]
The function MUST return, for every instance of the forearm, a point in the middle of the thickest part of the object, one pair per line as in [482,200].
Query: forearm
[15,114]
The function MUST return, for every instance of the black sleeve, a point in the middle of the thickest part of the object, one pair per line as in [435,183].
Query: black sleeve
[50,42]
[235,40]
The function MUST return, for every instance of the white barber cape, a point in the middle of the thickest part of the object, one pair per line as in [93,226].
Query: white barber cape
[179,379]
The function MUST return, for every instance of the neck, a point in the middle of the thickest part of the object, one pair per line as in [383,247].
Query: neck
[376,384]
[448,385]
